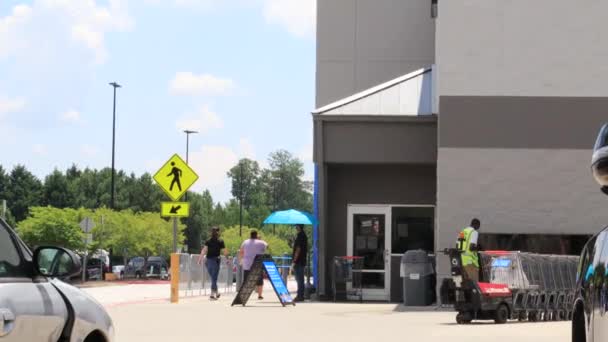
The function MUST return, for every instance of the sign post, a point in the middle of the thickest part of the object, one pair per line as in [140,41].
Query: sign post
[175,177]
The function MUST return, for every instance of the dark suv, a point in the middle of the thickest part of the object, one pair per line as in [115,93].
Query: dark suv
[134,268]
[154,267]
[590,319]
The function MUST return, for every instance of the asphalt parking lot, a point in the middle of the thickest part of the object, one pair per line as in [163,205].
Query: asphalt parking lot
[143,313]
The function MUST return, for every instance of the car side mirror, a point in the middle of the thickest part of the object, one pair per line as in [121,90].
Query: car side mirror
[56,262]
[599,160]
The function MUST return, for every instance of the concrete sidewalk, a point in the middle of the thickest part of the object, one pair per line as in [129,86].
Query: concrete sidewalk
[142,312]
[124,294]
[199,319]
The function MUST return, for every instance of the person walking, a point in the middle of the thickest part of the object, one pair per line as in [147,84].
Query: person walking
[249,249]
[300,251]
[468,246]
[212,251]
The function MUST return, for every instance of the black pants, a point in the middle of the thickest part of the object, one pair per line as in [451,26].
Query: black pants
[299,271]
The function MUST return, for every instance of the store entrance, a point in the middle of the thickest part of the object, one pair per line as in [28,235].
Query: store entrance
[369,232]
[381,234]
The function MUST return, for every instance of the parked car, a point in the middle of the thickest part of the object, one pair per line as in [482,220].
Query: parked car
[118,270]
[96,269]
[35,305]
[590,318]
[134,268]
[154,267]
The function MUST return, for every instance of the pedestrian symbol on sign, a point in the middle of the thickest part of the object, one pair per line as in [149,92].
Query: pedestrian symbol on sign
[176,173]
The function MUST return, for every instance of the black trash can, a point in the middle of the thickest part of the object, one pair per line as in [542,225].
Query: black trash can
[418,274]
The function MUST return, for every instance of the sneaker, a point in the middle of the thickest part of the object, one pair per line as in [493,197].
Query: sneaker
[260,297]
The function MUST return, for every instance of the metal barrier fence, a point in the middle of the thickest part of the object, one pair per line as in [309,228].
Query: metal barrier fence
[194,279]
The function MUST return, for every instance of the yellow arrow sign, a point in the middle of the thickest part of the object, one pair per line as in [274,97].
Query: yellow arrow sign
[175,177]
[174,209]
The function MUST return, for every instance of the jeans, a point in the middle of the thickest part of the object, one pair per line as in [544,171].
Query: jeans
[213,267]
[299,270]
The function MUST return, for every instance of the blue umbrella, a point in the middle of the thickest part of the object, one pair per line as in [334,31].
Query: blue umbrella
[291,217]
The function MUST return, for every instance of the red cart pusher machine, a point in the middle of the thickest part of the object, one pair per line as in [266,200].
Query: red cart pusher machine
[515,285]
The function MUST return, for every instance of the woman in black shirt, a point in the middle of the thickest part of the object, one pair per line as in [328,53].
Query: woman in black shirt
[212,251]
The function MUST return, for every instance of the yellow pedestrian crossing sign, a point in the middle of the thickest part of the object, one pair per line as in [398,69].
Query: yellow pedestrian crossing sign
[175,177]
[174,209]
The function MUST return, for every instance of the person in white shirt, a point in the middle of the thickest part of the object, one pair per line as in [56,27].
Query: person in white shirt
[249,249]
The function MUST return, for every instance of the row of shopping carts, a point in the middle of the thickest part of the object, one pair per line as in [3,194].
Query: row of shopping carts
[543,286]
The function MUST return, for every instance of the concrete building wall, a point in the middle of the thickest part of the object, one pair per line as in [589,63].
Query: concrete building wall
[522,48]
[522,94]
[373,140]
[362,43]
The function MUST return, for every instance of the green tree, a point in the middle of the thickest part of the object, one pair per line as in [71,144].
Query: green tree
[56,190]
[194,224]
[4,184]
[276,245]
[52,226]
[4,195]
[148,195]
[283,183]
[244,177]
[219,216]
[207,216]
[24,191]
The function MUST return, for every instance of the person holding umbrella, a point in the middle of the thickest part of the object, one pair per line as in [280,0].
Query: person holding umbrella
[300,251]
[298,219]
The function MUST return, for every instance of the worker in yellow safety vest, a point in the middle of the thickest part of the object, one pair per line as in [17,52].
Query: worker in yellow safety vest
[468,246]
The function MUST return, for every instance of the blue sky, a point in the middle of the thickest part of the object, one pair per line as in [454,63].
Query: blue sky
[239,71]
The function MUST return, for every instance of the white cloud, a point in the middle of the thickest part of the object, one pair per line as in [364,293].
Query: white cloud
[200,4]
[246,149]
[40,149]
[89,151]
[212,163]
[305,154]
[297,16]
[49,27]
[71,116]
[187,83]
[203,121]
[11,105]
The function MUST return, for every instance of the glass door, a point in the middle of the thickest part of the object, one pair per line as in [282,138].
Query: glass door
[369,236]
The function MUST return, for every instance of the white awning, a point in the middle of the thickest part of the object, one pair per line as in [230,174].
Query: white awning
[411,94]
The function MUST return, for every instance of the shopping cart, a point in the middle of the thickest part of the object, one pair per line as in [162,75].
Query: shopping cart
[347,274]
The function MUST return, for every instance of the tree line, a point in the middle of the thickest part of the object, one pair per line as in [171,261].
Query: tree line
[259,190]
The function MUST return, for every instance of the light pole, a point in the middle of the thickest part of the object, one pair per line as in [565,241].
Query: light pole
[114,85]
[241,198]
[188,132]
